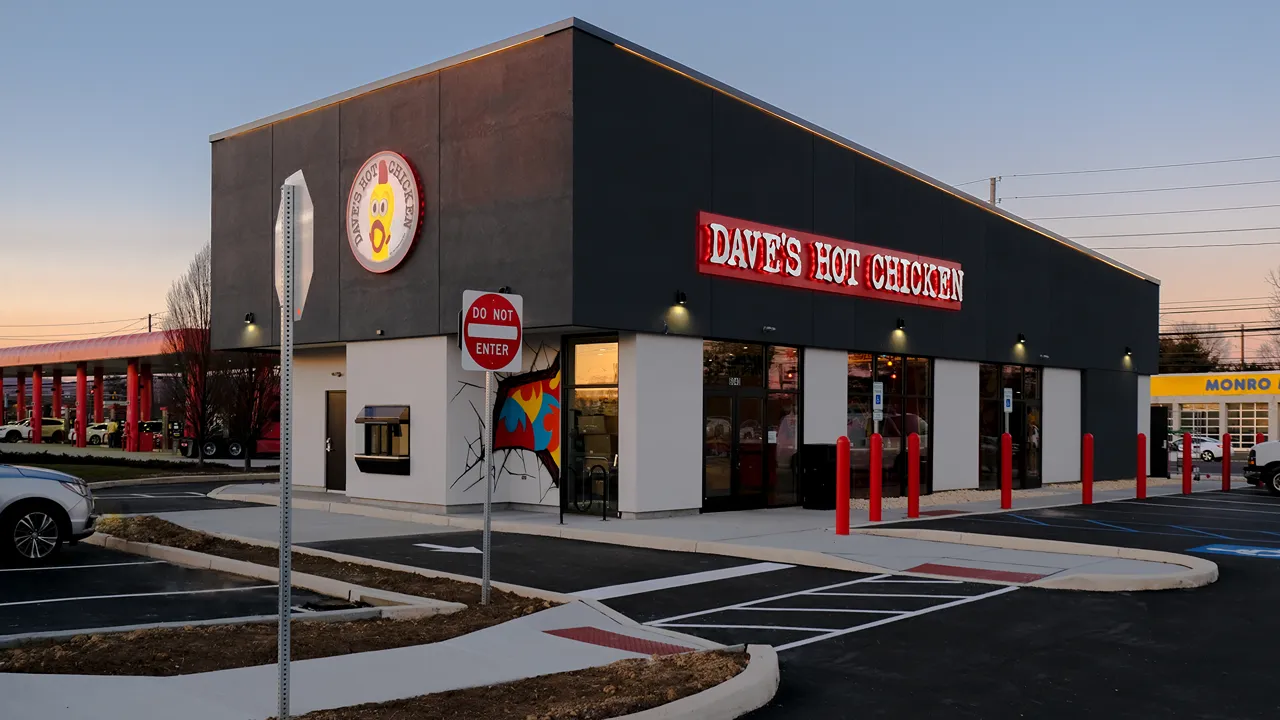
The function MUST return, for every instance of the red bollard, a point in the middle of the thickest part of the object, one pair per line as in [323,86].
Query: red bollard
[1006,471]
[1226,462]
[842,486]
[1142,467]
[1186,463]
[913,475]
[877,459]
[1086,470]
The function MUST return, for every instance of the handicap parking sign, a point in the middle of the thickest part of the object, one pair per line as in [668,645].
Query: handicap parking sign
[1268,553]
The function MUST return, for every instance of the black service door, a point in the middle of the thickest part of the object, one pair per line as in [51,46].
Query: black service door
[335,442]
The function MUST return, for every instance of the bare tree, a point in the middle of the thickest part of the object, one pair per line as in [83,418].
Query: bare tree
[1269,352]
[249,396]
[187,338]
[1191,349]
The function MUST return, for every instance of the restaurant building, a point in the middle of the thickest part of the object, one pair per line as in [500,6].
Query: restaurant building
[711,287]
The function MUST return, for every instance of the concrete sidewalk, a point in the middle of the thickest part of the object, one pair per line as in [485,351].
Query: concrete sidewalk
[789,535]
[568,637]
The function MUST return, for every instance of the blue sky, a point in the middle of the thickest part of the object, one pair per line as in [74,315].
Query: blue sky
[106,109]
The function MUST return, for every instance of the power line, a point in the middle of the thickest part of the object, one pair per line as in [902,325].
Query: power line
[1214,300]
[1143,190]
[1158,212]
[1181,232]
[1215,310]
[1145,167]
[93,322]
[1184,247]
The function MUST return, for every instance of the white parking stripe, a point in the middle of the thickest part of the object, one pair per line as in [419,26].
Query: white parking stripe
[888,620]
[748,603]
[821,610]
[77,567]
[747,627]
[915,581]
[644,586]
[893,595]
[134,595]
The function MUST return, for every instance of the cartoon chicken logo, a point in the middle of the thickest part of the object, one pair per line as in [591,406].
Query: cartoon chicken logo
[382,205]
[383,211]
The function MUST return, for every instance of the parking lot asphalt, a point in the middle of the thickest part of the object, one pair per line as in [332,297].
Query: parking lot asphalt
[88,587]
[170,497]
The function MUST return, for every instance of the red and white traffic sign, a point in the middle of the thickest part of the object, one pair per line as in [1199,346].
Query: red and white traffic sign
[492,331]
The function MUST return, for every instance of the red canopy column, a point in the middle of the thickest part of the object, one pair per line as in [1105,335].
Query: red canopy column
[37,404]
[146,392]
[97,394]
[57,393]
[82,405]
[22,396]
[131,415]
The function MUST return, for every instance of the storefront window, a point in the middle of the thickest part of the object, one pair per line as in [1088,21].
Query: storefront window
[1244,422]
[591,474]
[908,408]
[783,368]
[732,364]
[1200,419]
[1024,426]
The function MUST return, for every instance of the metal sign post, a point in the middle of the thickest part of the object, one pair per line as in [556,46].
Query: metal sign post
[293,238]
[877,405]
[491,334]
[1008,407]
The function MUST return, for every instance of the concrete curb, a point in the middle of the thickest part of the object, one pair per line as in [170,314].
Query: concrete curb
[1196,572]
[174,479]
[321,616]
[749,690]
[314,583]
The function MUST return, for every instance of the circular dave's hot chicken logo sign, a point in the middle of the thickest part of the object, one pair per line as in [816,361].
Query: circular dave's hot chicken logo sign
[383,210]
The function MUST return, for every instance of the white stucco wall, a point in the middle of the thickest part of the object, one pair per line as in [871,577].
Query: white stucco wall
[659,423]
[313,376]
[413,372]
[955,425]
[825,383]
[1144,406]
[1061,434]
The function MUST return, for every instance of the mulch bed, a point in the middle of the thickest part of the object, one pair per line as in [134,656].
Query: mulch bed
[626,686]
[179,651]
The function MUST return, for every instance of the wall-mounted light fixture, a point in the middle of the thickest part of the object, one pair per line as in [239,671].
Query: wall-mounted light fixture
[505,290]
[378,331]
[681,298]
[1128,351]
[1022,339]
[902,324]
[248,318]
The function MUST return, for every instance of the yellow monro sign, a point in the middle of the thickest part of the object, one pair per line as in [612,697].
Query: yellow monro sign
[1215,384]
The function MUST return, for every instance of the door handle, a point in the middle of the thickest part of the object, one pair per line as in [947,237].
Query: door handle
[328,444]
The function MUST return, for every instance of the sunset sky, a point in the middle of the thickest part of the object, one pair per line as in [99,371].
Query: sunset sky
[104,193]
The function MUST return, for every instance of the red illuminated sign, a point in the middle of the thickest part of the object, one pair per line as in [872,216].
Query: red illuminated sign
[728,247]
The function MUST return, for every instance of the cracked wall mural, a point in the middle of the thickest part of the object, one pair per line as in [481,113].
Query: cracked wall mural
[526,442]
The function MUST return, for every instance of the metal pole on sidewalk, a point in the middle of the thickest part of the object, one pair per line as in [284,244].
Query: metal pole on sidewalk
[488,486]
[288,205]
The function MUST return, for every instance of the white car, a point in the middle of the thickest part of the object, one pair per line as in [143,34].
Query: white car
[95,434]
[40,510]
[1206,447]
[1263,466]
[15,431]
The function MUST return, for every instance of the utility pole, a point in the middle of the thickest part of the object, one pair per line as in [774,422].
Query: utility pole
[993,189]
[148,322]
[1242,347]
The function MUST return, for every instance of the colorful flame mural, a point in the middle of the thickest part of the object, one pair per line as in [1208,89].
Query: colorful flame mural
[526,416]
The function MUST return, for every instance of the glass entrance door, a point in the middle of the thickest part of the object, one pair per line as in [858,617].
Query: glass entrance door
[735,451]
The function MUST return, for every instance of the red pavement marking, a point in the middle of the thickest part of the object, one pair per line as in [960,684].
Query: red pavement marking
[618,641]
[937,513]
[976,573]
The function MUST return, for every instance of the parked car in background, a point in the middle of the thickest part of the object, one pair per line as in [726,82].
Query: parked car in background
[95,434]
[1263,466]
[1205,447]
[51,430]
[40,510]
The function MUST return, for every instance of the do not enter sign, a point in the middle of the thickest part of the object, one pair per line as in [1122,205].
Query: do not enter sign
[492,331]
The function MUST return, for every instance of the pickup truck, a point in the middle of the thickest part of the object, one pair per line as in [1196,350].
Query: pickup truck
[1263,467]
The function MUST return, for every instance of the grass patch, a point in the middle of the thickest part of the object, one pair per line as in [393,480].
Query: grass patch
[621,688]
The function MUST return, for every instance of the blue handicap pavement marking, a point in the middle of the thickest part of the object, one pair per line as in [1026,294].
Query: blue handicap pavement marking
[1269,553]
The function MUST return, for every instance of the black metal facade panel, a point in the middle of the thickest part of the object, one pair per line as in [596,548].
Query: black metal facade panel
[404,302]
[639,168]
[1109,410]
[241,219]
[640,136]
[492,144]
[310,143]
[506,170]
